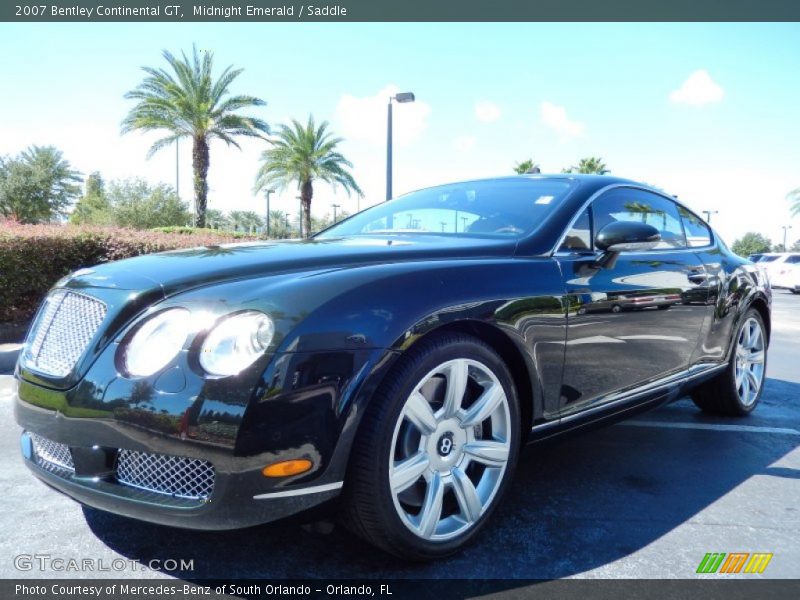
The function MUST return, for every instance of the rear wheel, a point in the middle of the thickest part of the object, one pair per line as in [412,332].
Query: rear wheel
[435,451]
[737,390]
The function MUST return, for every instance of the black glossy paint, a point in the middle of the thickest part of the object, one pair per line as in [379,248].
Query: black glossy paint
[586,338]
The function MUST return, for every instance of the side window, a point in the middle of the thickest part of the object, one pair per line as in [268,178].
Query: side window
[793,260]
[630,204]
[579,237]
[697,233]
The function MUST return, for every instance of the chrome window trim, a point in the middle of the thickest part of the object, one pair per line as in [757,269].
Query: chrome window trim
[555,251]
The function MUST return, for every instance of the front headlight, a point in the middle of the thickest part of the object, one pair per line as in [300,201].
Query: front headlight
[157,342]
[236,342]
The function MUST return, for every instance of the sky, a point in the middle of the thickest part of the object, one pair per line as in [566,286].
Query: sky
[708,112]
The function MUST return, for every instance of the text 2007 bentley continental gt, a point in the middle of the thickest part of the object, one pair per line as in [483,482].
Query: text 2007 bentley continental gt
[390,367]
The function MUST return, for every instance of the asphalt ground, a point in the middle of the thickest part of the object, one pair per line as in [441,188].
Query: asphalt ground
[647,498]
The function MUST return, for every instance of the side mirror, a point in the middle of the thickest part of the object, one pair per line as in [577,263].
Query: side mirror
[624,236]
[627,236]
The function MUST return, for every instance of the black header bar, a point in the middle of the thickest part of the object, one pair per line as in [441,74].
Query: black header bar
[260,11]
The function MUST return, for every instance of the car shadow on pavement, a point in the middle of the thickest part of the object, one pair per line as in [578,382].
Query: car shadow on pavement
[574,505]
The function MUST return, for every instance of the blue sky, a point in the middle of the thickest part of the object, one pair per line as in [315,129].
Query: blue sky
[705,111]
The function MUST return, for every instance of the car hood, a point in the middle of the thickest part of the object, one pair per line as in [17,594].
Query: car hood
[179,270]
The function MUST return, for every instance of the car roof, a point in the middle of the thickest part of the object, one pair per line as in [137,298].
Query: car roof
[591,182]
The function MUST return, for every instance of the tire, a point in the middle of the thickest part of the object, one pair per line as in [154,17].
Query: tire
[725,394]
[664,306]
[448,465]
[615,308]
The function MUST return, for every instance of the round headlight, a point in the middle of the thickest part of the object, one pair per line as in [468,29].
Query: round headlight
[236,342]
[157,342]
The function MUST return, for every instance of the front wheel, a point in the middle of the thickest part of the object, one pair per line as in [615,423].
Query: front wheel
[435,451]
[737,390]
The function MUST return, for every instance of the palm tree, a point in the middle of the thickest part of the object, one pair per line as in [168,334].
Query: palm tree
[303,154]
[794,198]
[526,166]
[245,220]
[190,103]
[592,164]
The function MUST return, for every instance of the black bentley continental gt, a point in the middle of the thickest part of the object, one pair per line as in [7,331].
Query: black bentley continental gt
[390,367]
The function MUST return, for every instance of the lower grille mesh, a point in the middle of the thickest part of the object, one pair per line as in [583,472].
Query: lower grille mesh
[52,456]
[173,475]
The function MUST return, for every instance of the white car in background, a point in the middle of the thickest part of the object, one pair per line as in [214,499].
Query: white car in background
[773,262]
[785,272]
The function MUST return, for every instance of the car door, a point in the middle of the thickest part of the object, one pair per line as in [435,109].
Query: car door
[633,321]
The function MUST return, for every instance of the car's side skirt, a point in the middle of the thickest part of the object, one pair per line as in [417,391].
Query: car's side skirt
[619,406]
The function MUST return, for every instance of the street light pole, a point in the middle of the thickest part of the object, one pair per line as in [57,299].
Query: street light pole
[708,214]
[785,229]
[389,151]
[177,172]
[269,193]
[400,98]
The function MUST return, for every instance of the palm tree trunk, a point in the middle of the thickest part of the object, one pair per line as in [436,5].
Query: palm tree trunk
[306,193]
[200,164]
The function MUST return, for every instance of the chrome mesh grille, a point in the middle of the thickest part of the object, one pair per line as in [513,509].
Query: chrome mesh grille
[67,324]
[173,475]
[52,456]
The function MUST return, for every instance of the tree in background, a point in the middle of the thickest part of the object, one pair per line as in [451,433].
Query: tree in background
[526,166]
[135,203]
[216,219]
[302,154]
[246,221]
[38,185]
[320,223]
[280,228]
[93,208]
[751,243]
[591,164]
[189,103]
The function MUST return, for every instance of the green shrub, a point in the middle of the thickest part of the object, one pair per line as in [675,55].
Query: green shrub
[34,257]
[200,231]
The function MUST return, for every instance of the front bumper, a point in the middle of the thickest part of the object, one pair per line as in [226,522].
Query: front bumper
[241,495]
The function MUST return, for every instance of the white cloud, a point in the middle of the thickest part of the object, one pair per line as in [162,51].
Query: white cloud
[555,117]
[364,118]
[465,143]
[698,89]
[487,112]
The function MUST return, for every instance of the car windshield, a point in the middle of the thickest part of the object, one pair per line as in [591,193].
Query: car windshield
[766,259]
[499,208]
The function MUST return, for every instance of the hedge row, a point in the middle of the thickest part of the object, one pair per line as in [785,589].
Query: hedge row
[34,257]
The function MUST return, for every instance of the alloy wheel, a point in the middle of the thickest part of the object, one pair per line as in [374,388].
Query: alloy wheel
[450,449]
[749,370]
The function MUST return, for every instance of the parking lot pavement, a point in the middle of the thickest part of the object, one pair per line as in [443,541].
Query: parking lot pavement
[644,498]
